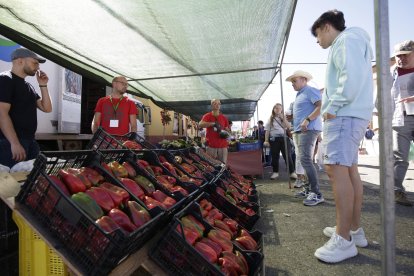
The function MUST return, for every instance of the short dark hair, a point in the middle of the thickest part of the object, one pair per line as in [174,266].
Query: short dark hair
[260,122]
[230,122]
[333,17]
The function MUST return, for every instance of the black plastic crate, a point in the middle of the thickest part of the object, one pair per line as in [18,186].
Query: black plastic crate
[9,232]
[256,235]
[208,158]
[154,160]
[126,156]
[251,196]
[171,159]
[174,154]
[196,152]
[103,140]
[177,257]
[234,212]
[208,171]
[91,249]
[9,264]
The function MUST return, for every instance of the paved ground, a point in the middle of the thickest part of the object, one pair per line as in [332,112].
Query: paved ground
[292,231]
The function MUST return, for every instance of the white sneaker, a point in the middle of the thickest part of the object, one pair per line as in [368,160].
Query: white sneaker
[298,183]
[274,175]
[358,236]
[313,199]
[336,250]
[293,175]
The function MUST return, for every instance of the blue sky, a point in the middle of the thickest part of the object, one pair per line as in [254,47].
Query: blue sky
[302,46]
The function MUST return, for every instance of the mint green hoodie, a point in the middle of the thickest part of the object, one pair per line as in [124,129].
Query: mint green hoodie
[348,83]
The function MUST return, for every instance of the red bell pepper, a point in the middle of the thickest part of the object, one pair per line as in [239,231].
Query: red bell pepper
[169,167]
[192,223]
[246,242]
[152,203]
[179,189]
[240,263]
[107,224]
[214,213]
[190,235]
[117,169]
[145,184]
[162,158]
[250,212]
[156,169]
[122,220]
[107,168]
[72,182]
[232,224]
[102,197]
[241,260]
[228,266]
[92,175]
[221,225]
[170,179]
[132,145]
[133,187]
[139,215]
[215,246]
[143,163]
[117,194]
[218,237]
[206,251]
[163,181]
[131,171]
[60,184]
[82,177]
[163,198]
[205,204]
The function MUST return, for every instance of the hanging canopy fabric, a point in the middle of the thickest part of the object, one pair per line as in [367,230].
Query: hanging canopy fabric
[179,53]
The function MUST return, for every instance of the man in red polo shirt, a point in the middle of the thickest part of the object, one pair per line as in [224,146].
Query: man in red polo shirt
[115,113]
[217,127]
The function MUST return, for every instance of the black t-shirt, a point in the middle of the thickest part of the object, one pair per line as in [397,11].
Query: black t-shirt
[22,97]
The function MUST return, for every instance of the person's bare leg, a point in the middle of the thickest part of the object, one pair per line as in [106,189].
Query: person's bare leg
[344,198]
[358,197]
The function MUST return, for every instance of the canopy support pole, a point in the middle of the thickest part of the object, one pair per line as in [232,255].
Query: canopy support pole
[385,138]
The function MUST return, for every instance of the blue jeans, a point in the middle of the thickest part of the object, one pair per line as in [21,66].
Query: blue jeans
[306,145]
[30,146]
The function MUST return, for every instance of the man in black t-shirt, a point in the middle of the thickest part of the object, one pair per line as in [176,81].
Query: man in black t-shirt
[18,104]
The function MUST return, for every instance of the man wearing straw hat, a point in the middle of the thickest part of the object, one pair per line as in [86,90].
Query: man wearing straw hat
[307,125]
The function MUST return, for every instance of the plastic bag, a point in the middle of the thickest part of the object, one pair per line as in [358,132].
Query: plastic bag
[25,166]
[411,153]
[4,168]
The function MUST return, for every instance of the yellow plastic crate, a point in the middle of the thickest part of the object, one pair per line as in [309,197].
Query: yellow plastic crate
[35,257]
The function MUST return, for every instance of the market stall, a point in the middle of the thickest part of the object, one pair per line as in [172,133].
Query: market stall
[246,162]
[206,197]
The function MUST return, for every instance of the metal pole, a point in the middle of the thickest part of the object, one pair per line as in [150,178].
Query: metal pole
[385,138]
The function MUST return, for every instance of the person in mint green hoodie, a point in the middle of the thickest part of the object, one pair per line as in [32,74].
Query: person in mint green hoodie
[347,106]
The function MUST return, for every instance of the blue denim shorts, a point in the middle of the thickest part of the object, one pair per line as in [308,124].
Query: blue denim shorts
[341,139]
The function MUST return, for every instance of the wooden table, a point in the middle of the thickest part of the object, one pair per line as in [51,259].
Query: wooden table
[137,263]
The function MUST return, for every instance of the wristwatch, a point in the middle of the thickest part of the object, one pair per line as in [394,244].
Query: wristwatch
[307,119]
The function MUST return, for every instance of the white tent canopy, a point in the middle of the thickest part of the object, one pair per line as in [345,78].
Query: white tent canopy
[180,53]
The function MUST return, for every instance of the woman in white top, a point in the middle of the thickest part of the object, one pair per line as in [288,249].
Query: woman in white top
[275,139]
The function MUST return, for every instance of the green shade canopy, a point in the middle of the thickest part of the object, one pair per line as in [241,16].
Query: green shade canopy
[179,53]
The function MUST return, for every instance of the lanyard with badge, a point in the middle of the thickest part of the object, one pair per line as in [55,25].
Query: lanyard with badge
[115,122]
